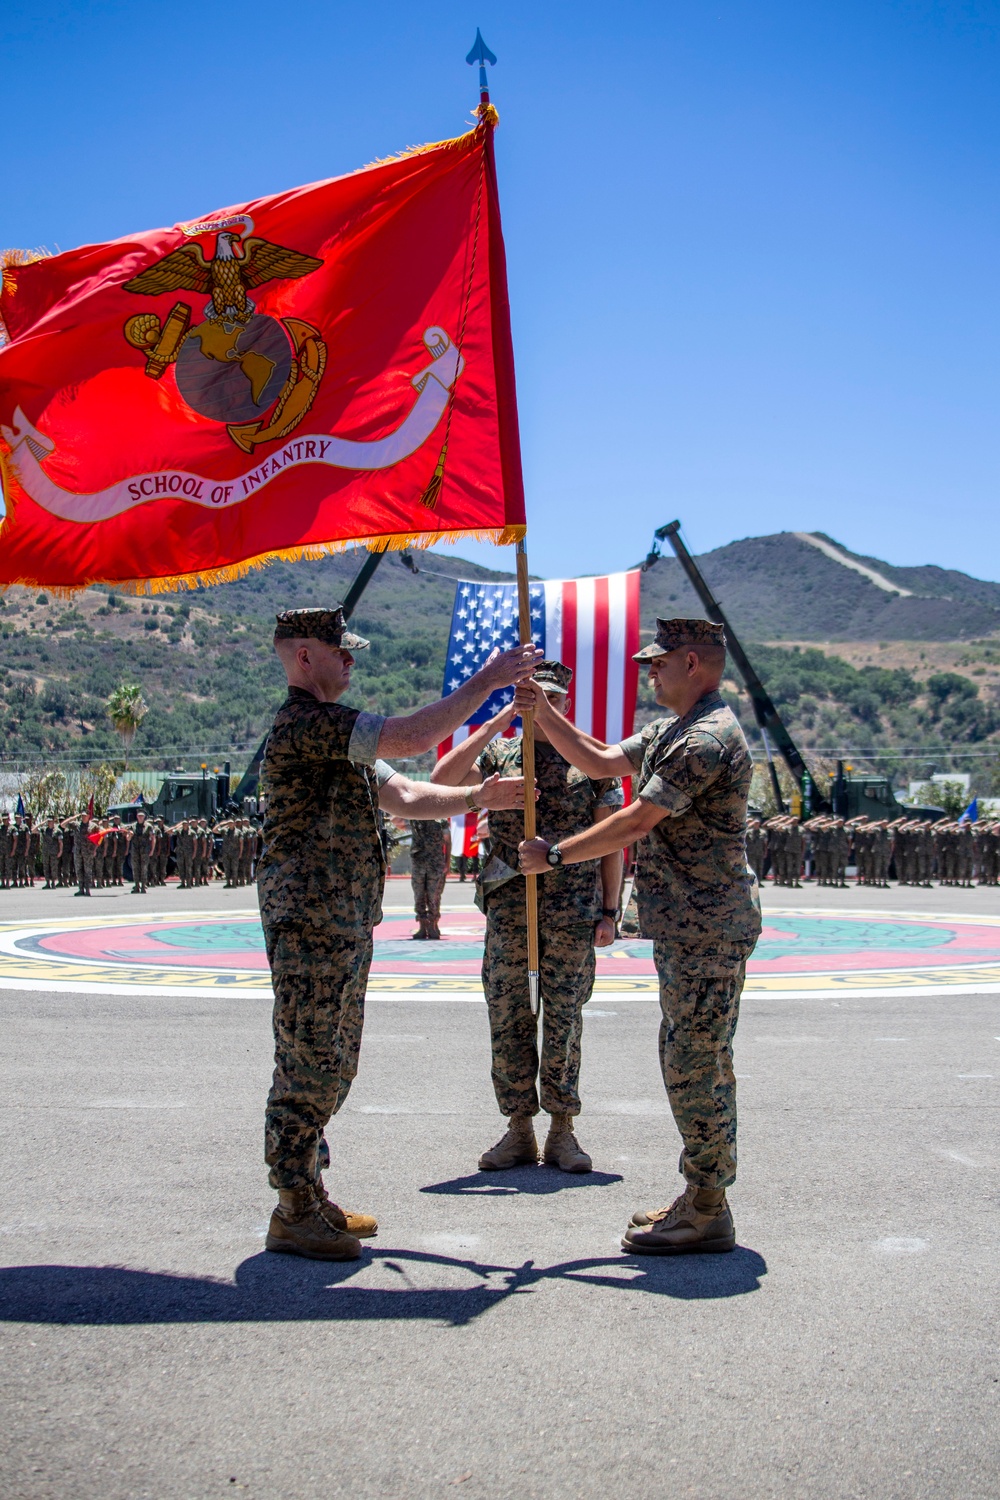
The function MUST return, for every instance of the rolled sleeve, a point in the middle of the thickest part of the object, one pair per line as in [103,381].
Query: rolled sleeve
[383,771]
[634,748]
[614,797]
[682,772]
[363,745]
[661,793]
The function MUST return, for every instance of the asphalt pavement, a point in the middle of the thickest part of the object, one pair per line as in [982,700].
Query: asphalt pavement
[494,1341]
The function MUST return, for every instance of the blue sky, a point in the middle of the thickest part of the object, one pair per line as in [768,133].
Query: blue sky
[753,248]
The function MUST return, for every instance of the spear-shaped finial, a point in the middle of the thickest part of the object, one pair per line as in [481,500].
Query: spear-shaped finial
[482,55]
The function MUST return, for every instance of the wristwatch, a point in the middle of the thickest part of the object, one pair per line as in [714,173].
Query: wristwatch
[554,855]
[610,911]
[470,800]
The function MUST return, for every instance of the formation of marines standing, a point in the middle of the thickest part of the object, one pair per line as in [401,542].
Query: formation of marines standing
[829,846]
[914,850]
[873,849]
[90,853]
[786,847]
[20,843]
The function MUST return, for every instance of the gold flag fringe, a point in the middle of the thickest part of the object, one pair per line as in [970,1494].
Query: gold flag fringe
[9,261]
[206,577]
[488,117]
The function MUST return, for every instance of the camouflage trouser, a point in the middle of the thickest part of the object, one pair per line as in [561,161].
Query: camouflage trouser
[140,866]
[51,863]
[566,973]
[84,868]
[184,869]
[699,1015]
[319,1010]
[230,868]
[428,885]
[6,869]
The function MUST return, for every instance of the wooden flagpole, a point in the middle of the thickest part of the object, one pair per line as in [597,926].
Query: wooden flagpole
[482,55]
[528,772]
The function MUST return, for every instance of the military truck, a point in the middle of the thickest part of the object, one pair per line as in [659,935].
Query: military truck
[202,794]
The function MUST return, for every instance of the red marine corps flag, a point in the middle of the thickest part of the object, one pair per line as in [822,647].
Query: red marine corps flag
[278,379]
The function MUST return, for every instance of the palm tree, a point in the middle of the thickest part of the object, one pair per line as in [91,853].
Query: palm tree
[126,708]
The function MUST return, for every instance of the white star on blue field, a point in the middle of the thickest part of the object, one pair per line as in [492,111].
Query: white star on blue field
[485,618]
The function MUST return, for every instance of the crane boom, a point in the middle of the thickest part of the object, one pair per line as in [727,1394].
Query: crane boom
[768,719]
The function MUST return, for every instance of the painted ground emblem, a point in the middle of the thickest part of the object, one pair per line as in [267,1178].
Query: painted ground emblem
[812,953]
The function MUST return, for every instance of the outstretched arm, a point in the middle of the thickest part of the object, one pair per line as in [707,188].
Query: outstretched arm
[591,756]
[427,727]
[419,799]
[455,768]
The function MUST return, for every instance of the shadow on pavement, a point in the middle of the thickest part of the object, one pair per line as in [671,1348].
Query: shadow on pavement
[280,1289]
[528,1180]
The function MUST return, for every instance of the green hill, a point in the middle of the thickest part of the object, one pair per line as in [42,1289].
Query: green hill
[929,674]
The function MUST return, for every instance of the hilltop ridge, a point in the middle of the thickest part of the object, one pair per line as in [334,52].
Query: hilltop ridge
[781,587]
[205,662]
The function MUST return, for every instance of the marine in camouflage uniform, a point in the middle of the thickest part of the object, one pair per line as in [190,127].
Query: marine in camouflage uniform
[83,854]
[100,854]
[67,860]
[248,845]
[34,849]
[114,853]
[430,854]
[184,854]
[695,897]
[577,906]
[197,852]
[21,833]
[756,847]
[51,850]
[6,852]
[230,853]
[319,882]
[140,847]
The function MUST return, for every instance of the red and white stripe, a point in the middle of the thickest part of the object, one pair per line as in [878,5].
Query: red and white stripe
[591,626]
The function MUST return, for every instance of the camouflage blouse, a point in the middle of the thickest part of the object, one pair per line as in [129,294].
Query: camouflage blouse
[322,866]
[566,804]
[693,885]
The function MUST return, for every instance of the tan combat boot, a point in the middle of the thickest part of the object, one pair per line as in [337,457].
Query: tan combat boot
[362,1226]
[697,1223]
[433,930]
[562,1149]
[305,1224]
[421,931]
[518,1148]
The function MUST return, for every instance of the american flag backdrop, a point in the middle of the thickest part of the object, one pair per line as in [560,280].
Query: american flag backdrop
[589,624]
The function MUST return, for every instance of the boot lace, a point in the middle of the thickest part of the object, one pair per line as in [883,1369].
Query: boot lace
[673,1211]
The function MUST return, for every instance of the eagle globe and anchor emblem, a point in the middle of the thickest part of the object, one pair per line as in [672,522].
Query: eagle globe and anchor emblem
[257,374]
